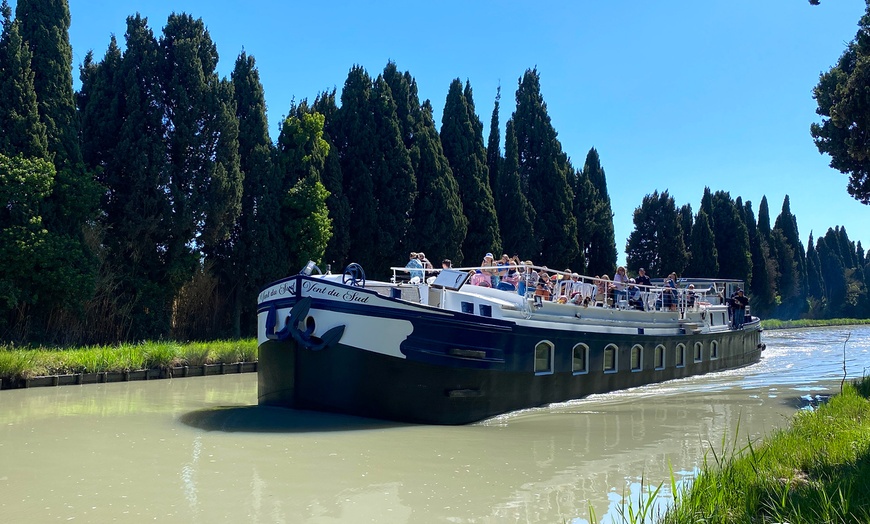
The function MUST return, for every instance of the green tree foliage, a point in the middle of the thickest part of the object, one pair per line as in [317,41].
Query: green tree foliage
[786,223]
[703,257]
[517,220]
[45,28]
[300,159]
[462,140]
[439,223]
[686,221]
[356,141]
[256,241]
[494,160]
[763,287]
[732,238]
[656,244]
[815,284]
[40,270]
[204,178]
[21,131]
[394,183]
[337,201]
[833,274]
[844,133]
[545,172]
[439,227]
[598,235]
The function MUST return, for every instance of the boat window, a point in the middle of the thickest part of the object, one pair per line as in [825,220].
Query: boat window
[699,348]
[660,357]
[610,358]
[544,358]
[636,357]
[681,355]
[714,350]
[580,363]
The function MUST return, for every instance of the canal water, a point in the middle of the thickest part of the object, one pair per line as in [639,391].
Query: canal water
[199,450]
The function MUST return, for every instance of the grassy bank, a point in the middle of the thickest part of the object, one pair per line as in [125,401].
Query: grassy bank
[18,363]
[815,471]
[787,324]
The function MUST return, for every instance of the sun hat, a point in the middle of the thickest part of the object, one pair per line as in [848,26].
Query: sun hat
[487,255]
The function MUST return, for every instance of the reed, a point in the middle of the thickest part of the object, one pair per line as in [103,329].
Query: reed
[20,363]
[817,470]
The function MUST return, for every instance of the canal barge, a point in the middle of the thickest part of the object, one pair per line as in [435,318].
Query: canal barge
[440,350]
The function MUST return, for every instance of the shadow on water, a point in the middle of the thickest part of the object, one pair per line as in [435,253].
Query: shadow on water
[260,419]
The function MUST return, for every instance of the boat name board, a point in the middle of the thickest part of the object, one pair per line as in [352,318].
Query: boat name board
[286,288]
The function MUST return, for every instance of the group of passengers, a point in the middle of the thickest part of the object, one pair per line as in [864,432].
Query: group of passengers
[514,274]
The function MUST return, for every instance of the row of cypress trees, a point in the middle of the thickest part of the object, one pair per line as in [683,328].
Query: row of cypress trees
[724,239]
[153,203]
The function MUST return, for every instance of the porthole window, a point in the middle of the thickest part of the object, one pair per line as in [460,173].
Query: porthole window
[681,355]
[544,358]
[636,357]
[660,357]
[580,359]
[699,351]
[714,350]
[610,358]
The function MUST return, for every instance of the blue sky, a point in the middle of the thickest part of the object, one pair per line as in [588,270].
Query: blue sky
[674,95]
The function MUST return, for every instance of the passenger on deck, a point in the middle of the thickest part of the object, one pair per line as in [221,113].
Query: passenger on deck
[690,296]
[670,292]
[602,297]
[739,303]
[543,288]
[620,280]
[415,266]
[424,261]
[635,299]
[642,279]
[489,269]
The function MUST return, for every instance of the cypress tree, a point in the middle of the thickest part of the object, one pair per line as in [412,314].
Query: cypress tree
[339,206]
[45,28]
[833,274]
[764,219]
[787,224]
[256,239]
[669,233]
[599,236]
[394,183]
[703,259]
[763,297]
[545,172]
[686,218]
[122,141]
[732,238]
[439,223]
[354,136]
[21,131]
[204,178]
[463,146]
[517,220]
[494,161]
[815,285]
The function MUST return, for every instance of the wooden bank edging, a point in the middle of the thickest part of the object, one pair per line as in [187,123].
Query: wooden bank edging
[124,376]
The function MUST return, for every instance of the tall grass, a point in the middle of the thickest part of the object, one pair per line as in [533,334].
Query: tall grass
[816,471]
[802,323]
[18,363]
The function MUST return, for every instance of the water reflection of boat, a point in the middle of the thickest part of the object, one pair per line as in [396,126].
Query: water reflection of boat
[444,351]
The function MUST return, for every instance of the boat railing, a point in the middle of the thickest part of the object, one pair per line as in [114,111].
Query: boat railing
[581,290]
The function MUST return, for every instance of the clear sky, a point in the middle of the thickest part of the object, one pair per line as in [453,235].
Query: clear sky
[674,95]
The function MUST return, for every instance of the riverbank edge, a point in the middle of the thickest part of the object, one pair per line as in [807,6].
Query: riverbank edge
[723,487]
[102,377]
[773,324]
